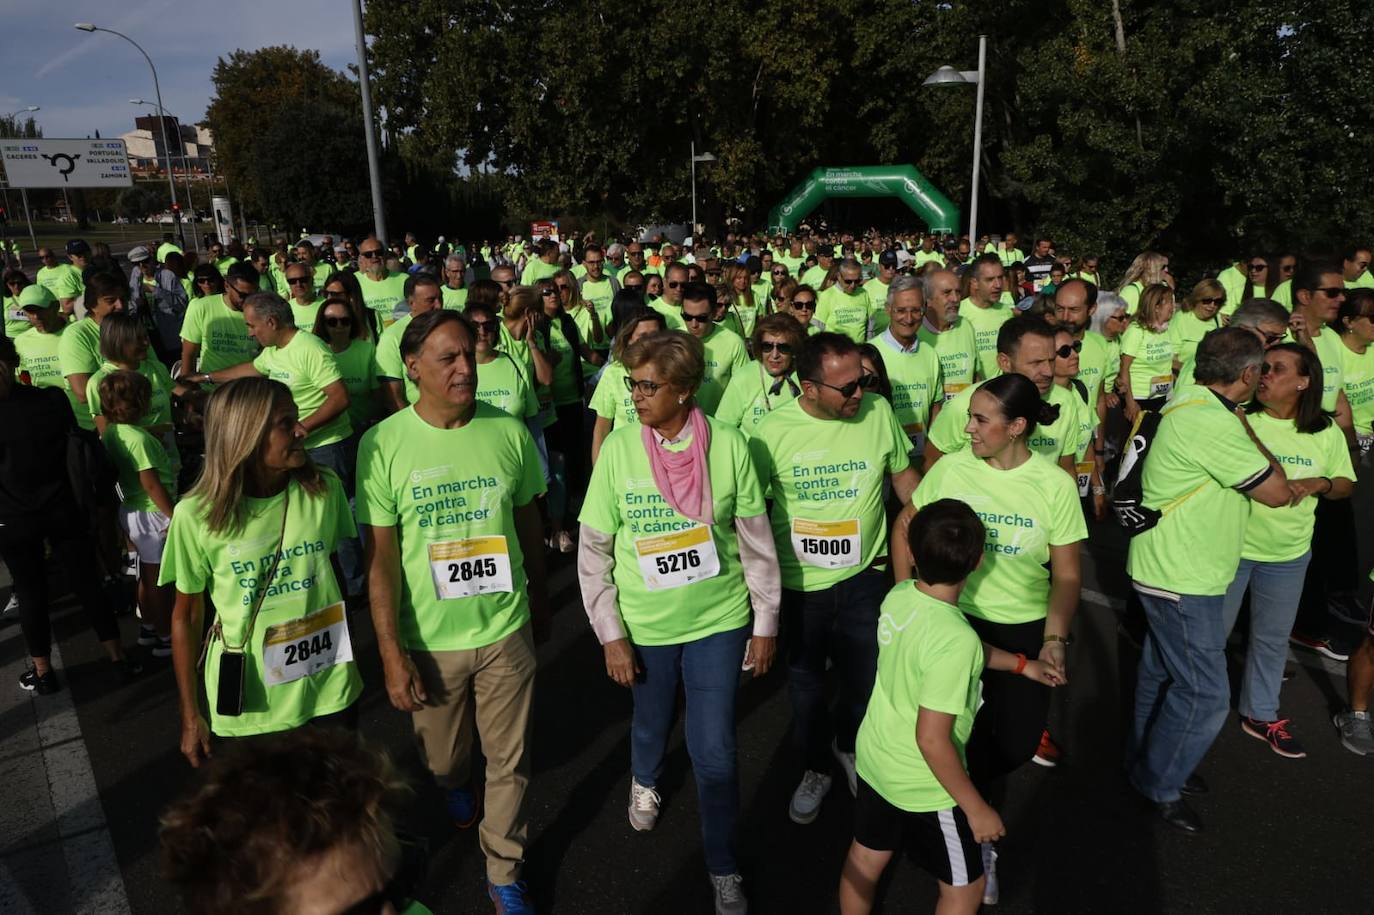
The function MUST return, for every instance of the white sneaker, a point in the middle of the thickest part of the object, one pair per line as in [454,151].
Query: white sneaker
[643,806]
[991,891]
[147,636]
[847,764]
[729,894]
[806,800]
[11,608]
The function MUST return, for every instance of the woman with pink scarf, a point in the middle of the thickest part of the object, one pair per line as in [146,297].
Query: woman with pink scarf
[680,580]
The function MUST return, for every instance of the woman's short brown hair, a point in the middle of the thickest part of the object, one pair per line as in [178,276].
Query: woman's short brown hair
[784,325]
[124,396]
[679,357]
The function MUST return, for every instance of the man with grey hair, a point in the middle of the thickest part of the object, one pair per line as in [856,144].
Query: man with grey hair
[1203,465]
[947,333]
[913,368]
[615,259]
[305,303]
[454,287]
[844,308]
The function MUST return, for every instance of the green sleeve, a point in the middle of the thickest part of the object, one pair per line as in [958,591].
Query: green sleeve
[730,410]
[323,368]
[947,432]
[184,562]
[344,528]
[389,364]
[748,491]
[599,506]
[93,391]
[192,329]
[263,361]
[1066,521]
[532,472]
[945,665]
[898,444]
[603,398]
[376,503]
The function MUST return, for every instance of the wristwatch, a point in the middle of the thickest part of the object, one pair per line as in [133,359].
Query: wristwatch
[1062,639]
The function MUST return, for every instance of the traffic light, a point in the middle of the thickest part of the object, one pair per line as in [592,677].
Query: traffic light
[176,209]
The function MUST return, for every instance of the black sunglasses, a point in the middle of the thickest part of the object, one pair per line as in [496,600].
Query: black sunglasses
[484,327]
[339,322]
[1332,292]
[848,389]
[804,304]
[853,282]
[298,281]
[634,285]
[548,292]
[1255,268]
[375,252]
[696,319]
[769,347]
[1212,301]
[1068,349]
[675,285]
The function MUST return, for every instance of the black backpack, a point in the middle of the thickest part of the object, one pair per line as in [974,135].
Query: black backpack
[1128,494]
[92,475]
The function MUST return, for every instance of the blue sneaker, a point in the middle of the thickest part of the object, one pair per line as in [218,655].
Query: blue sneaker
[464,807]
[511,899]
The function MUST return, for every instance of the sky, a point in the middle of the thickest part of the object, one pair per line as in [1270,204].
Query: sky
[83,81]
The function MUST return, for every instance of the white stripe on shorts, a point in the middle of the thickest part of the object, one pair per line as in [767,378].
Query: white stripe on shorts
[954,849]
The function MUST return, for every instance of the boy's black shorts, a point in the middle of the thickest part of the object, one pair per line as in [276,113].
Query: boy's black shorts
[940,841]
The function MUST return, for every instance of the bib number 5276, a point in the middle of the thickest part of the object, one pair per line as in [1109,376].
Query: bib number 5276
[677,559]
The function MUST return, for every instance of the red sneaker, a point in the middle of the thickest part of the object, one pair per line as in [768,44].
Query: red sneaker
[1047,754]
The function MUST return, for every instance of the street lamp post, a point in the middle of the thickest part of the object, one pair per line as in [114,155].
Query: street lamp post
[157,91]
[704,157]
[374,171]
[24,194]
[948,76]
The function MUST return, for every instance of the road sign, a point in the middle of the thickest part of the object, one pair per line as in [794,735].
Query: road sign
[66,163]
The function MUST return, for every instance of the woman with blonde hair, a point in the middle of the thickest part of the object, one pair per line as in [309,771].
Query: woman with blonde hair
[1148,357]
[1197,316]
[256,536]
[745,310]
[1150,268]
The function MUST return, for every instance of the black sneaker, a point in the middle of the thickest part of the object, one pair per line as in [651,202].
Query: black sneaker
[44,685]
[1276,734]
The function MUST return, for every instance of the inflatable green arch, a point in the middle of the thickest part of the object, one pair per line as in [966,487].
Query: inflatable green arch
[901,181]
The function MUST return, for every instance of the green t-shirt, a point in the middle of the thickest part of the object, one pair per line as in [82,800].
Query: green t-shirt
[302,621]
[917,385]
[826,481]
[16,322]
[677,580]
[1330,350]
[564,387]
[1094,362]
[1200,459]
[219,331]
[750,397]
[305,315]
[382,296]
[599,294]
[503,384]
[1026,510]
[726,354]
[877,303]
[38,357]
[388,357]
[159,379]
[845,314]
[612,400]
[928,657]
[1062,438]
[63,281]
[306,365]
[1357,374]
[454,299]
[986,322]
[78,352]
[1187,332]
[452,495]
[813,278]
[1232,280]
[1152,368]
[358,369]
[133,449]
[1285,533]
[1130,294]
[958,354]
[671,313]
[537,270]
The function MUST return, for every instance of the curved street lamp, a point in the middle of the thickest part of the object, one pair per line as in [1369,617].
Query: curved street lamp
[948,76]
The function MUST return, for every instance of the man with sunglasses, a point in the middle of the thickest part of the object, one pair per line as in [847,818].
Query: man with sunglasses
[878,285]
[214,334]
[382,289]
[726,351]
[927,254]
[1025,345]
[261,261]
[218,259]
[913,370]
[305,304]
[1075,302]
[670,304]
[823,458]
[793,258]
[844,308]
[305,254]
[61,279]
[1355,268]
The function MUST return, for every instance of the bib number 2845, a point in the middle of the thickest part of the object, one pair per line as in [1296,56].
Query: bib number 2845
[463,568]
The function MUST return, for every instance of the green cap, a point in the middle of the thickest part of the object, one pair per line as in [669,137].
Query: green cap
[36,296]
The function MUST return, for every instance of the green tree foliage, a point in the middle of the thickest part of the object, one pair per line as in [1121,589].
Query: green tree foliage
[1197,126]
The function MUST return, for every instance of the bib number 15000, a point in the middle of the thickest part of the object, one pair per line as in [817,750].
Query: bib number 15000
[814,546]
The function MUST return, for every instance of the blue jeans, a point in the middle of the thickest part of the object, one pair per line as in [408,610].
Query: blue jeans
[839,623]
[709,670]
[1182,694]
[342,457]
[1275,591]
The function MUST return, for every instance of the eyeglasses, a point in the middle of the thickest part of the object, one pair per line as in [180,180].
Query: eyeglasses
[1221,300]
[647,388]
[589,261]
[1255,268]
[298,281]
[1331,292]
[696,319]
[204,279]
[1068,349]
[635,253]
[848,389]
[775,347]
[804,304]
[345,321]
[375,252]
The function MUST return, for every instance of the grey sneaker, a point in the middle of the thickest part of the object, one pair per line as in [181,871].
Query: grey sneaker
[992,892]
[729,894]
[846,761]
[806,800]
[643,807]
[1357,732]
[11,607]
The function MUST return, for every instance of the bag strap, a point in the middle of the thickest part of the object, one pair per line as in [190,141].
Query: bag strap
[216,628]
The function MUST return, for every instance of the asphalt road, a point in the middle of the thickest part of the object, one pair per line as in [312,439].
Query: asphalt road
[1281,834]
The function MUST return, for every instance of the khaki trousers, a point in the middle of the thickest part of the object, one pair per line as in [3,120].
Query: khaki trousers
[488,690]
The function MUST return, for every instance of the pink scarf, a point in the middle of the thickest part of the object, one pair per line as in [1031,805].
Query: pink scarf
[681,476]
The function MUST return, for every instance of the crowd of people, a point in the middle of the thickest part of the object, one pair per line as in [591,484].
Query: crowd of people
[870,461]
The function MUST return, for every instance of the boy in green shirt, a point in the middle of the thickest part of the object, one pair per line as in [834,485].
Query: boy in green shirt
[913,778]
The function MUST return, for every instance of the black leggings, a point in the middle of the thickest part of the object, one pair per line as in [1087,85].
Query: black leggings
[566,436]
[1007,731]
[21,547]
[1334,568]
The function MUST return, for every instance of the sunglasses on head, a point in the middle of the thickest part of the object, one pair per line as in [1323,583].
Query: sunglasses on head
[1068,349]
[848,389]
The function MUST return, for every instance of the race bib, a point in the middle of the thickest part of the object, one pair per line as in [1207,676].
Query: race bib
[1364,441]
[1084,471]
[827,544]
[677,559]
[916,434]
[952,389]
[1161,385]
[462,568]
[16,314]
[306,646]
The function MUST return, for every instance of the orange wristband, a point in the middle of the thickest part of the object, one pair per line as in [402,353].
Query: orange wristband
[1020,663]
